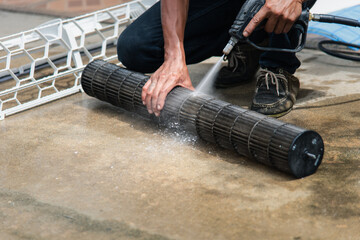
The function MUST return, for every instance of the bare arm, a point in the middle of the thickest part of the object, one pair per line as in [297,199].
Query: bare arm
[281,15]
[173,72]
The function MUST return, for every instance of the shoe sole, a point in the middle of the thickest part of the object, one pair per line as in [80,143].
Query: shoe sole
[280,114]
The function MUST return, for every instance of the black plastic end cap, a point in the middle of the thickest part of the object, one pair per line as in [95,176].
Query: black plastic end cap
[305,154]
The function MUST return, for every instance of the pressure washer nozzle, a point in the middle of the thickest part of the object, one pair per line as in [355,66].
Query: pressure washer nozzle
[230,45]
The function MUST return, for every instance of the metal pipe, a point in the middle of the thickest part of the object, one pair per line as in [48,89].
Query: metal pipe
[270,141]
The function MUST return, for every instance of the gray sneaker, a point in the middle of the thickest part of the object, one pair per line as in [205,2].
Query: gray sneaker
[275,92]
[243,63]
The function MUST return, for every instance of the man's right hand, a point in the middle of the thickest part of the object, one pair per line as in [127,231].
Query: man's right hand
[281,15]
[173,72]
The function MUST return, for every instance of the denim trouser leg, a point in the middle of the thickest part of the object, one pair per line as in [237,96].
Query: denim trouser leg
[141,45]
[285,60]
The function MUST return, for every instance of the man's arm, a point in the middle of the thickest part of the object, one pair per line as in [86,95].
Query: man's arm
[281,15]
[173,72]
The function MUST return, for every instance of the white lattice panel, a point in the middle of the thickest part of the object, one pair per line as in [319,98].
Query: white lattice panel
[45,63]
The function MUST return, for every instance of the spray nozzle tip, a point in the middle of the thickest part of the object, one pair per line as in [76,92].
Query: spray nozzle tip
[228,49]
[230,45]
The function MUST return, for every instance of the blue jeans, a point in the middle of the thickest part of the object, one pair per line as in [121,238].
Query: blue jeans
[141,45]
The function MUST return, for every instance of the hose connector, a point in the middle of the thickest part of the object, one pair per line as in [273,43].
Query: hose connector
[314,17]
[334,19]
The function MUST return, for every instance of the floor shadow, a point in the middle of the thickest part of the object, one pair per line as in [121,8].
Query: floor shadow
[306,94]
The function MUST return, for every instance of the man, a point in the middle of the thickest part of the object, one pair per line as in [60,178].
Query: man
[174,33]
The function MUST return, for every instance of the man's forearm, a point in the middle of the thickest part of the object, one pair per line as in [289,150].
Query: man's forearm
[173,20]
[173,72]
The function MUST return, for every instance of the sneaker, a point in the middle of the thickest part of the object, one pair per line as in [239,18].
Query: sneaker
[275,92]
[243,63]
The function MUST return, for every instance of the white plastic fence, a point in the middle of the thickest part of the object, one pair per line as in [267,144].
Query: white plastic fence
[45,63]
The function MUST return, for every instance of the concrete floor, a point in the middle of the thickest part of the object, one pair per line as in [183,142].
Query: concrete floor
[78,168]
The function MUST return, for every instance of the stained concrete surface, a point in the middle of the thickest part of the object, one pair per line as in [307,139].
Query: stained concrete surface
[78,168]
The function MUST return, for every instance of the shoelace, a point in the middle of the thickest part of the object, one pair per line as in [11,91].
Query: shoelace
[273,77]
[234,58]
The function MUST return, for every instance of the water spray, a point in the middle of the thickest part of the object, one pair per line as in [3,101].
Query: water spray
[267,140]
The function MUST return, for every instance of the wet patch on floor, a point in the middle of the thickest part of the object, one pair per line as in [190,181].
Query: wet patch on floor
[336,190]
[336,193]
[84,164]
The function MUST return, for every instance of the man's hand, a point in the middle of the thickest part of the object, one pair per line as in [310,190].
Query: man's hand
[172,73]
[281,15]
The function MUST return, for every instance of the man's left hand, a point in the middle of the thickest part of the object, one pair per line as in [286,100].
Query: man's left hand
[281,15]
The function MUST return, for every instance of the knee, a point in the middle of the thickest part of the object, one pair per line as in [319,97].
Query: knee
[125,49]
[135,54]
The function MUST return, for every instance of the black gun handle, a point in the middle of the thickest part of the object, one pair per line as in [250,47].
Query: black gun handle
[301,26]
[247,12]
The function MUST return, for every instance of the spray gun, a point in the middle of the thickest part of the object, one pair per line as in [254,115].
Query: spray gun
[251,7]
